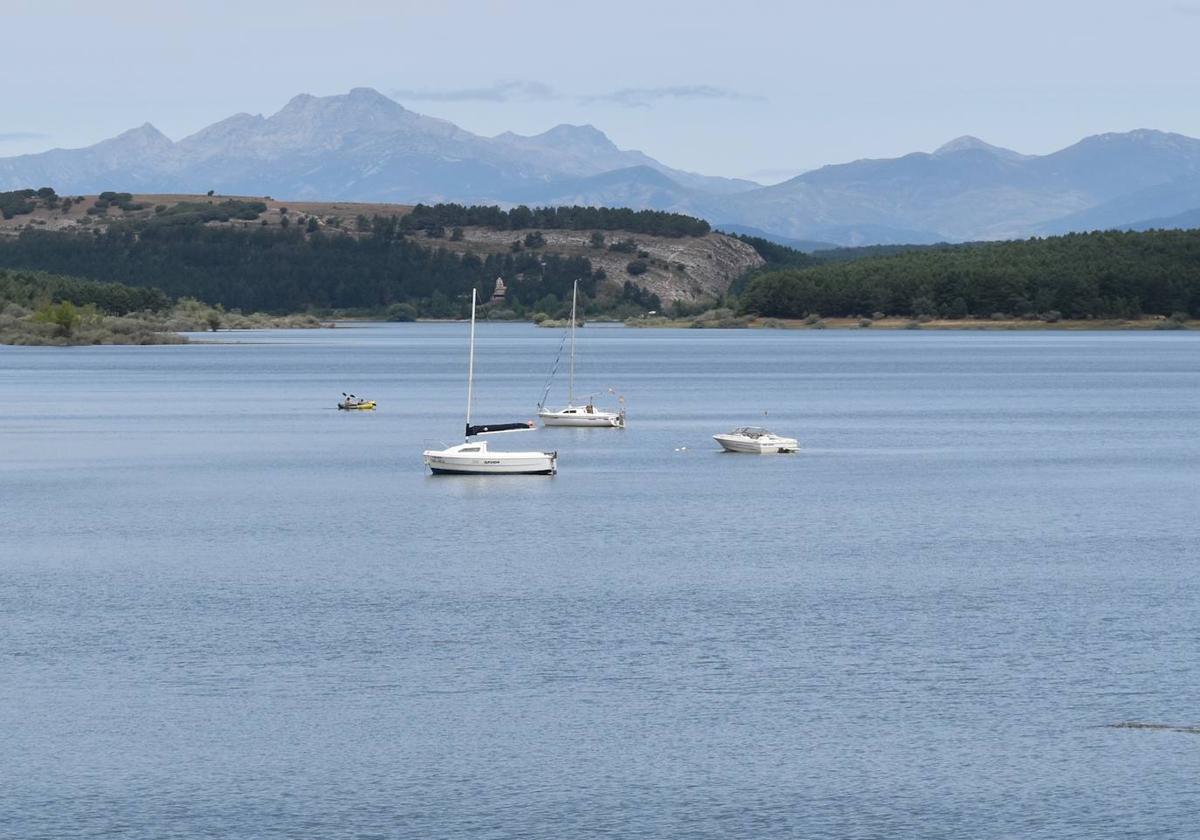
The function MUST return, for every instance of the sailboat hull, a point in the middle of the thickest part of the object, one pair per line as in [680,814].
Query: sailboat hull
[453,461]
[597,419]
[541,468]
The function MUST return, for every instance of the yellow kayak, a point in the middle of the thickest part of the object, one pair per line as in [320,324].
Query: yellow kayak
[358,405]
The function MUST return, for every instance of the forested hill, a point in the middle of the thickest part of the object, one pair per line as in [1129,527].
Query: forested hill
[1095,275]
[262,255]
[266,255]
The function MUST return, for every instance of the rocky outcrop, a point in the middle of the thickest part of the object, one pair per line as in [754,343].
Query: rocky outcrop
[687,268]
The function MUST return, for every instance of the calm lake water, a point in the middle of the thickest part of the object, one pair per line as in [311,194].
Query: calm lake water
[227,609]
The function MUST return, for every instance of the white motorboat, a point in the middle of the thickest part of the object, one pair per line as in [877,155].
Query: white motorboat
[474,457]
[755,439]
[587,415]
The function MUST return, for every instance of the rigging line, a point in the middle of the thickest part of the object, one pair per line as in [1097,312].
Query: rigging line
[553,370]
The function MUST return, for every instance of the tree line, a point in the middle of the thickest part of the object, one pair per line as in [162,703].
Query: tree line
[1106,274]
[650,222]
[37,288]
[271,270]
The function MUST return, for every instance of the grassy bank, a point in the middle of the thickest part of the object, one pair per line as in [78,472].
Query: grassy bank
[63,324]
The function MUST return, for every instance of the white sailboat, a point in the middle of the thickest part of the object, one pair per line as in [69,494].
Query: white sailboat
[577,415]
[474,457]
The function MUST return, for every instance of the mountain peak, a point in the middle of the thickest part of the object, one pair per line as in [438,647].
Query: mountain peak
[368,94]
[224,135]
[565,137]
[1141,137]
[1160,145]
[968,142]
[579,132]
[146,129]
[144,136]
[360,108]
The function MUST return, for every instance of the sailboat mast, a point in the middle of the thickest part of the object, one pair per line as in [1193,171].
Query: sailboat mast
[471,360]
[571,377]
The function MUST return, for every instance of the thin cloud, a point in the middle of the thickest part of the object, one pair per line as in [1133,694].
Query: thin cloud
[525,90]
[1189,9]
[13,136]
[516,91]
[645,97]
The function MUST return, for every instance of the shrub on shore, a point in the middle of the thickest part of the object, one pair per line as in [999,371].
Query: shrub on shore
[38,318]
[55,326]
[402,312]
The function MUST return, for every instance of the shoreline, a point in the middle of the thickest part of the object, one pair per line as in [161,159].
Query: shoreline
[965,324]
[179,337]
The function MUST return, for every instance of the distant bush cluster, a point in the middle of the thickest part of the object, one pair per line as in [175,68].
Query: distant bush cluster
[20,202]
[123,200]
[199,212]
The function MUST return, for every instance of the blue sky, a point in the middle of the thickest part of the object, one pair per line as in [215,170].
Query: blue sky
[758,89]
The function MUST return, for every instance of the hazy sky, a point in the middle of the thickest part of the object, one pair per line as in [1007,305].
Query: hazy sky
[753,89]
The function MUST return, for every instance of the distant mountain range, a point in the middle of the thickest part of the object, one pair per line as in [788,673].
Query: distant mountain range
[362,146]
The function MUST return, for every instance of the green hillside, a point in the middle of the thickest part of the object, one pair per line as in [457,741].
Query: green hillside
[1095,275]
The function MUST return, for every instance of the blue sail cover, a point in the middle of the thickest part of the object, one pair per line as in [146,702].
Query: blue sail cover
[491,428]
